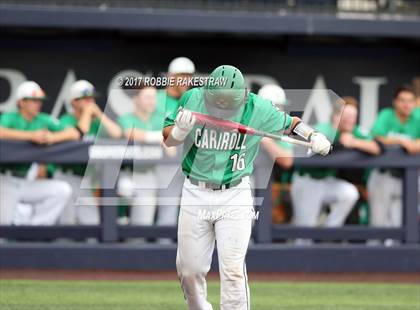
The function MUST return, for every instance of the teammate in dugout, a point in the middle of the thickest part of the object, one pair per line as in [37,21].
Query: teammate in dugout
[314,187]
[170,178]
[217,166]
[140,183]
[399,125]
[90,121]
[29,184]
[280,151]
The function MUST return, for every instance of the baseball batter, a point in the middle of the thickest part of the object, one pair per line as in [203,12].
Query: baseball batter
[216,202]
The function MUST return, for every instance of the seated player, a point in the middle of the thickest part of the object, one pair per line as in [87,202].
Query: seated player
[312,188]
[90,121]
[169,176]
[29,184]
[140,184]
[399,125]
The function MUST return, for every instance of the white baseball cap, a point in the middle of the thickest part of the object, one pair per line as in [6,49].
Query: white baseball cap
[181,65]
[30,90]
[82,89]
[274,93]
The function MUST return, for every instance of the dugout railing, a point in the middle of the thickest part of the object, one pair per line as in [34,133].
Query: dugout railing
[108,155]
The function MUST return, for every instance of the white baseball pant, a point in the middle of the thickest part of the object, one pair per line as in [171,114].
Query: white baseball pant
[309,195]
[47,198]
[385,199]
[141,189]
[197,234]
[83,205]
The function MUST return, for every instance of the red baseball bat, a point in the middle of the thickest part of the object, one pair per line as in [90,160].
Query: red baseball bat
[225,125]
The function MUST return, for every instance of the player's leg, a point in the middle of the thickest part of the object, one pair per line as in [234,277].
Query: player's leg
[307,196]
[233,232]
[68,215]
[143,206]
[379,199]
[395,214]
[170,179]
[48,197]
[86,203]
[195,247]
[9,198]
[341,196]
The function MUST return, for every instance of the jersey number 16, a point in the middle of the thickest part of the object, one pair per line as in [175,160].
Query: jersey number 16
[238,162]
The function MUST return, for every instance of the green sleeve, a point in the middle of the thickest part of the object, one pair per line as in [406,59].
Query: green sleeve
[359,133]
[379,128]
[275,120]
[5,120]
[68,120]
[125,122]
[54,124]
[95,128]
[170,118]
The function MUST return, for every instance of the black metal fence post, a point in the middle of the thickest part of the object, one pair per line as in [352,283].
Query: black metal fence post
[410,203]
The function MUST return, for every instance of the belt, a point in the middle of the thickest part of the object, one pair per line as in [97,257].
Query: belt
[214,186]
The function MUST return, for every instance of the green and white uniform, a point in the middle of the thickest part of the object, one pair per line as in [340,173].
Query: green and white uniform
[385,186]
[19,185]
[82,208]
[214,158]
[219,157]
[313,187]
[140,184]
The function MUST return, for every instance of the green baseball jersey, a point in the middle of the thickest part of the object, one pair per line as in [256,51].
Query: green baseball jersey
[332,135]
[388,124]
[131,120]
[15,120]
[220,157]
[167,103]
[69,120]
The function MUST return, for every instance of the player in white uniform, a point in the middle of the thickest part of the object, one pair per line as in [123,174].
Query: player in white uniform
[216,202]
[312,188]
[169,177]
[29,184]
[90,121]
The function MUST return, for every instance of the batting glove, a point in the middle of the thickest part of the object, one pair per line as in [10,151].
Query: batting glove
[184,123]
[320,144]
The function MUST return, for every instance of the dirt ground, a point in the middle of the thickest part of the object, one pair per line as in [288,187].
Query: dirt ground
[130,275]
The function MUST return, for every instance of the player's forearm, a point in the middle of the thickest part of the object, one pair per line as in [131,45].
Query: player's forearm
[283,158]
[295,121]
[68,134]
[144,136]
[113,130]
[370,147]
[12,134]
[388,141]
[85,122]
[167,137]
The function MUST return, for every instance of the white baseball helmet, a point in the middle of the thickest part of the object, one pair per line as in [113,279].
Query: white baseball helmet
[181,65]
[30,90]
[81,89]
[274,93]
